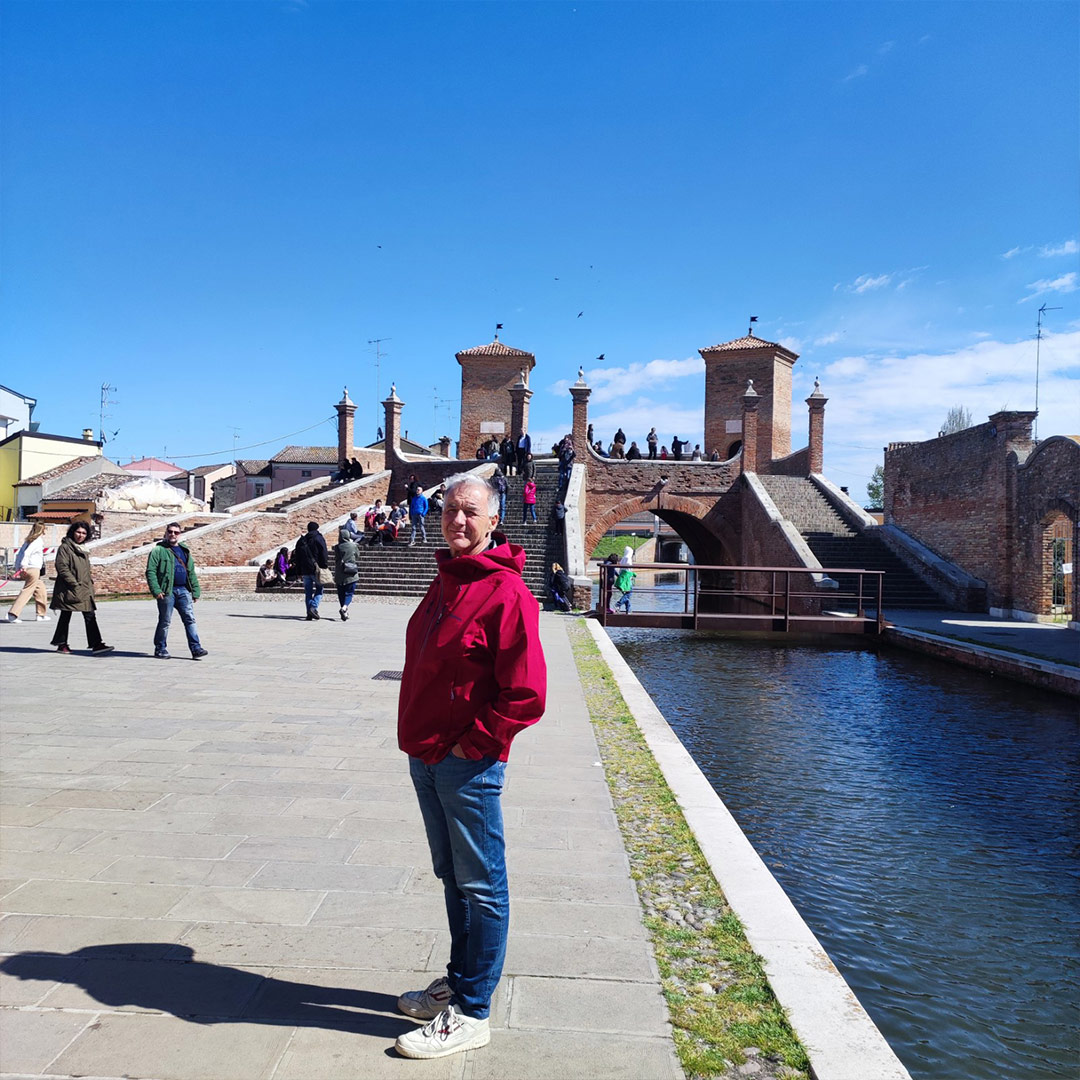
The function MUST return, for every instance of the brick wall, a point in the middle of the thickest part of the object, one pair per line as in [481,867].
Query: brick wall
[617,489]
[726,374]
[950,494]
[1047,487]
[485,395]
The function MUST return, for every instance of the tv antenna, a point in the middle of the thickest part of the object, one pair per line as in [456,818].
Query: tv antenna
[441,402]
[379,354]
[106,401]
[1038,348]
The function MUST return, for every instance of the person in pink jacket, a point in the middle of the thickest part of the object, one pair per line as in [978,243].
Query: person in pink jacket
[474,678]
[528,501]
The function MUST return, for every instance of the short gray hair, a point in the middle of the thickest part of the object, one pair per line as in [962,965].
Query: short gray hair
[464,479]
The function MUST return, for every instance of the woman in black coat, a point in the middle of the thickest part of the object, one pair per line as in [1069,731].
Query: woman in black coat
[74,590]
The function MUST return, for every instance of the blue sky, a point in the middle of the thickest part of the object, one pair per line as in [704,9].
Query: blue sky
[215,206]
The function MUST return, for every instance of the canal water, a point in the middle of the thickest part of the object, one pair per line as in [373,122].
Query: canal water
[923,819]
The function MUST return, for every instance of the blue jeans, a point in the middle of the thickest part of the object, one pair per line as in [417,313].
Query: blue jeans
[418,523]
[502,505]
[459,802]
[526,510]
[624,600]
[345,594]
[182,600]
[312,591]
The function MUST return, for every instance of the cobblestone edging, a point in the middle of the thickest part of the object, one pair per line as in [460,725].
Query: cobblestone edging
[684,848]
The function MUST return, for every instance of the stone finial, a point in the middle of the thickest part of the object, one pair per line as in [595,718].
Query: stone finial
[750,391]
[393,393]
[817,388]
[580,376]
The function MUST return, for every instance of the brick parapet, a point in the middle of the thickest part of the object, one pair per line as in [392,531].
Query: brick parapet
[235,540]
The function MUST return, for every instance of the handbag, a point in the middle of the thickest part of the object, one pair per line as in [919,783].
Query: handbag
[324,576]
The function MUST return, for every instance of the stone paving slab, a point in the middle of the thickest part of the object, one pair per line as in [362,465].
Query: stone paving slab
[217,869]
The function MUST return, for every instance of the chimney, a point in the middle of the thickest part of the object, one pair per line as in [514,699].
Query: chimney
[88,434]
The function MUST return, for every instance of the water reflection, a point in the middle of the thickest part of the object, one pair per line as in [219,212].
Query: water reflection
[922,818]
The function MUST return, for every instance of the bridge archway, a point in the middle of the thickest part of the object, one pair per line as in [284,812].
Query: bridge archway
[694,521]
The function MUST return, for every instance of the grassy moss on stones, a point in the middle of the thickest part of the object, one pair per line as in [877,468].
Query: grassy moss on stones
[727,1023]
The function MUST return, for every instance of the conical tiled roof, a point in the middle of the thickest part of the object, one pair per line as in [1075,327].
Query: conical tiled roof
[748,342]
[495,348]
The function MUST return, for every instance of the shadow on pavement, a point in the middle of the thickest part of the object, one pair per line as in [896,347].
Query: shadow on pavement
[162,977]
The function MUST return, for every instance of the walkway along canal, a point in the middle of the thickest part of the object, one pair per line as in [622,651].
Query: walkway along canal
[921,817]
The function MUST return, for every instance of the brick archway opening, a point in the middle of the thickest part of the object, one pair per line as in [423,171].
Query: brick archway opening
[1057,572]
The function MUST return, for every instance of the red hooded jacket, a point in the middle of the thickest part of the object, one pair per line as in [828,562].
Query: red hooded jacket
[474,670]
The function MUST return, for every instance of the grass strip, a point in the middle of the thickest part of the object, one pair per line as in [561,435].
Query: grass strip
[613,545]
[726,1019]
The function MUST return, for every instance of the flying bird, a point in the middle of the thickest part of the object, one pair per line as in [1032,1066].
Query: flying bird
[580,313]
[600,357]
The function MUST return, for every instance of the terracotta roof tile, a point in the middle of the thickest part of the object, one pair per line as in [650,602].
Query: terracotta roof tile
[306,455]
[58,470]
[494,348]
[749,342]
[253,466]
[90,488]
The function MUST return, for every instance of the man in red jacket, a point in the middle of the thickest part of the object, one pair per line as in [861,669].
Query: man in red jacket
[474,677]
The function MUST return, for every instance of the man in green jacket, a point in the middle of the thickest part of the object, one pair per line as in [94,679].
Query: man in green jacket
[170,573]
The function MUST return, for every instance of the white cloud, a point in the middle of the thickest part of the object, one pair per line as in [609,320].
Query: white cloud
[793,344]
[613,383]
[885,47]
[857,73]
[866,283]
[1013,252]
[1066,283]
[829,339]
[877,399]
[1049,251]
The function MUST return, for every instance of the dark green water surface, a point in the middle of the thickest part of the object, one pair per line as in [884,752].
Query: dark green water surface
[923,819]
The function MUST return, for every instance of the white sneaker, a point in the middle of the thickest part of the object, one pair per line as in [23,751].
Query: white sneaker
[426,1004]
[44,618]
[13,618]
[449,1033]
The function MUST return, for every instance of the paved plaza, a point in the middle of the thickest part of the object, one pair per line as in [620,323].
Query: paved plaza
[217,870]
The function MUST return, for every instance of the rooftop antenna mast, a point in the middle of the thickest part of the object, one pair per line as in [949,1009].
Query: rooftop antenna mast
[1038,348]
[379,354]
[106,401]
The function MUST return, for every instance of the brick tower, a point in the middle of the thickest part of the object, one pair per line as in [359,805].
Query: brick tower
[488,373]
[727,368]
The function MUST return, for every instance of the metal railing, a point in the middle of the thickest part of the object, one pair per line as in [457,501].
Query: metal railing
[777,597]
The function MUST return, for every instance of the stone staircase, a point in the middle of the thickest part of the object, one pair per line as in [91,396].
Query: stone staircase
[400,570]
[835,543]
[292,500]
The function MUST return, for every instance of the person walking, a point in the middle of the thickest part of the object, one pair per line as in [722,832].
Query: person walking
[652,439]
[311,557]
[74,590]
[418,508]
[528,501]
[170,574]
[498,482]
[30,566]
[346,571]
[624,578]
[459,709]
[524,451]
[567,453]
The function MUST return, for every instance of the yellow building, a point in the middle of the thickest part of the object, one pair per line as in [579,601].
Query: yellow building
[28,453]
